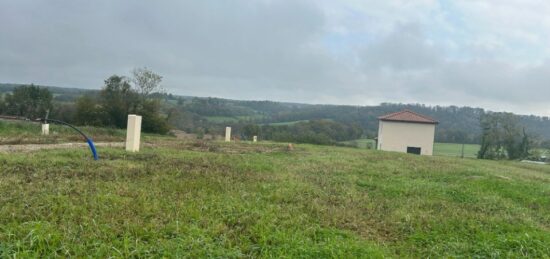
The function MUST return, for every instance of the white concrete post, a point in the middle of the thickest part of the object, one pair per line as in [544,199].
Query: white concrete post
[133,133]
[45,129]
[255,139]
[227,134]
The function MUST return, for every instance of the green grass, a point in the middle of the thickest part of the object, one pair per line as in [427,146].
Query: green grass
[286,123]
[230,119]
[12,133]
[361,143]
[209,199]
[453,149]
[440,149]
[252,117]
[221,119]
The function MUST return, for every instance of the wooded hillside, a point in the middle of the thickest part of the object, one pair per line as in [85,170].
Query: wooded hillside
[211,115]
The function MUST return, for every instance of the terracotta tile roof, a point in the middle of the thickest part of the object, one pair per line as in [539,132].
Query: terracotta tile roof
[408,116]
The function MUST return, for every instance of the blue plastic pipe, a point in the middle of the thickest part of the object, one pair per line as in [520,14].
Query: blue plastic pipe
[89,140]
[92,148]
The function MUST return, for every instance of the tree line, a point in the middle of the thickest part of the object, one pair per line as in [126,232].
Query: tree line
[110,107]
[141,93]
[322,132]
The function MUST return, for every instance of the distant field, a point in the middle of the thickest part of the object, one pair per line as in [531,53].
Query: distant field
[361,143]
[453,149]
[222,119]
[440,149]
[251,117]
[286,123]
[201,199]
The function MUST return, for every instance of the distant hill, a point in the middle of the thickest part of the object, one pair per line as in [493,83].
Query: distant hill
[60,93]
[457,124]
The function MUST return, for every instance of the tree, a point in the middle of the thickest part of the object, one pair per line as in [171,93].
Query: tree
[29,101]
[64,111]
[146,81]
[502,137]
[251,130]
[525,145]
[325,132]
[2,105]
[89,112]
[152,120]
[118,100]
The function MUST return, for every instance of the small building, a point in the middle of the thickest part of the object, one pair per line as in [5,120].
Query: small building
[406,131]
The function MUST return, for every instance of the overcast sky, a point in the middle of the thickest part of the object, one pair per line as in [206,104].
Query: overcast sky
[489,54]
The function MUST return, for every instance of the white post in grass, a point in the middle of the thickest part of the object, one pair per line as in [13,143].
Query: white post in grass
[227,134]
[255,139]
[133,133]
[45,129]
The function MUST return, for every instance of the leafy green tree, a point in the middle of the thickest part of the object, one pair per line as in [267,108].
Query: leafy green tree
[2,104]
[491,146]
[89,112]
[525,145]
[325,132]
[152,120]
[118,100]
[502,137]
[29,101]
[63,111]
[251,130]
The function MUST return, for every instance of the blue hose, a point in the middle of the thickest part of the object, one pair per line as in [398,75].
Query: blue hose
[90,142]
[92,148]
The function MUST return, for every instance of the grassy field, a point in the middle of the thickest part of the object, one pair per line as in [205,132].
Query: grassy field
[13,133]
[230,119]
[209,199]
[440,149]
[221,119]
[361,143]
[286,123]
[453,149]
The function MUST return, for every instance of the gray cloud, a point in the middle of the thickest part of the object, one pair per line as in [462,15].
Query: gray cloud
[280,50]
[404,49]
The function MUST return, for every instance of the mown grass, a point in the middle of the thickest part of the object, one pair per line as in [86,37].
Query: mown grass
[207,199]
[13,133]
[440,149]
[455,149]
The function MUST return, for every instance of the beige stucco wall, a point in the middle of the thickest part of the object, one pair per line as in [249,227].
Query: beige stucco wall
[397,136]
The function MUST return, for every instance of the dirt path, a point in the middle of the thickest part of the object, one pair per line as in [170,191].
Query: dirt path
[34,147]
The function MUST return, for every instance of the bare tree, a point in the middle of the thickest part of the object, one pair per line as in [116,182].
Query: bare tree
[146,81]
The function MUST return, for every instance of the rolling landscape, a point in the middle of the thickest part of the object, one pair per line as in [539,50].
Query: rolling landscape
[274,129]
[203,115]
[194,196]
